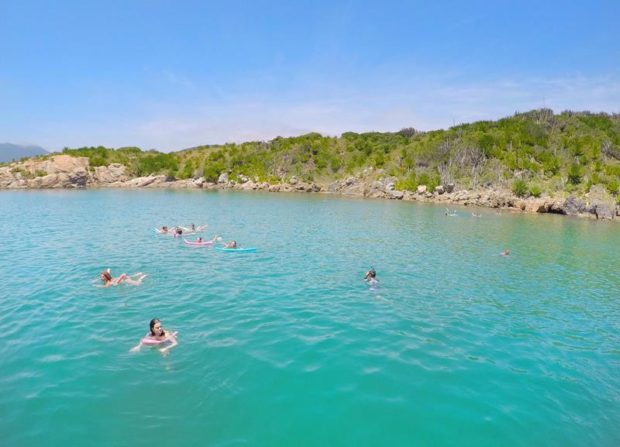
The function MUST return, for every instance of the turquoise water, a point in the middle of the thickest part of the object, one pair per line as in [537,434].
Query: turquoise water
[287,346]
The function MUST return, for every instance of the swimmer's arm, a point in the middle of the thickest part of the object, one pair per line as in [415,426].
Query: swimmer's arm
[173,343]
[137,347]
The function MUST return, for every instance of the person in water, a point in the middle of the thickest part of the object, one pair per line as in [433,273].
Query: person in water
[371,277]
[506,252]
[178,232]
[163,230]
[231,244]
[157,335]
[199,240]
[134,280]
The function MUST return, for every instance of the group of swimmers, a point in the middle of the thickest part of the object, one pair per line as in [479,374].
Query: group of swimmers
[180,230]
[157,335]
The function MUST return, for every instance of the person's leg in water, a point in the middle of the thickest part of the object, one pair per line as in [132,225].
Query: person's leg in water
[139,277]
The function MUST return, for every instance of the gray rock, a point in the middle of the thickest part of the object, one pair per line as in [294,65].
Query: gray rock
[573,206]
[223,178]
[450,188]
[293,181]
[334,187]
[397,195]
[603,211]
[440,189]
[421,189]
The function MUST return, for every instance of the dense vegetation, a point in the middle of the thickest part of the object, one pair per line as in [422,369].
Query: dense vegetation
[532,153]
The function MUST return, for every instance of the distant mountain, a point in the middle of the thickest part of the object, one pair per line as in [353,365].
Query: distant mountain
[9,152]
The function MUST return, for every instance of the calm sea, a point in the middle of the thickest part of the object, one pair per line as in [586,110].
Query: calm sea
[287,346]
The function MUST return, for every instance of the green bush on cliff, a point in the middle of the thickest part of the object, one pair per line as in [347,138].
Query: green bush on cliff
[565,151]
[535,191]
[519,188]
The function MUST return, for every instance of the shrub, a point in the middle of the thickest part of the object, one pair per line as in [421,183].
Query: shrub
[613,186]
[575,174]
[519,188]
[409,183]
[535,191]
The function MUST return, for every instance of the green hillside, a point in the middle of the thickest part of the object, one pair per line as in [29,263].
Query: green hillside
[532,153]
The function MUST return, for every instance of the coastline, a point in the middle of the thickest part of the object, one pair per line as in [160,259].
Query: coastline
[66,172]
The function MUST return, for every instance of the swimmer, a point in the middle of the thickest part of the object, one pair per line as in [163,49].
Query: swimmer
[157,335]
[199,240]
[371,277]
[178,232]
[134,280]
[193,228]
[231,244]
[506,252]
[163,230]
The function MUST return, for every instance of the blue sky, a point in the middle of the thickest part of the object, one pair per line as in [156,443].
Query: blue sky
[175,74]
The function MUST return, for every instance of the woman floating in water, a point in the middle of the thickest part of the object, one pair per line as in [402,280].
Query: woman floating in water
[193,228]
[371,278]
[134,280]
[157,335]
[231,244]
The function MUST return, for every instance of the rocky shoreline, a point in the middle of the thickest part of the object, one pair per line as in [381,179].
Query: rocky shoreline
[67,172]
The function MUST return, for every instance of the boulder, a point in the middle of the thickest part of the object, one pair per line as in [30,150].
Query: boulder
[334,187]
[223,178]
[421,189]
[449,188]
[397,195]
[293,181]
[573,206]
[350,181]
[115,172]
[603,211]
[248,186]
[440,189]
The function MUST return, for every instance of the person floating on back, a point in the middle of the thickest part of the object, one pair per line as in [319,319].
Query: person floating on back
[133,280]
[231,244]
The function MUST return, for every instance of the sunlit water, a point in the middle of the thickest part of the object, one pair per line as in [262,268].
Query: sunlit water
[287,346]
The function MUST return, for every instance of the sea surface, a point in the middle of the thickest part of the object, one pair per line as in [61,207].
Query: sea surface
[288,346]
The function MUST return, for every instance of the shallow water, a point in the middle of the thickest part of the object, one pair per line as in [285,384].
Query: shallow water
[287,346]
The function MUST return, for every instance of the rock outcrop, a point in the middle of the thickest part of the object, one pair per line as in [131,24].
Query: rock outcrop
[64,171]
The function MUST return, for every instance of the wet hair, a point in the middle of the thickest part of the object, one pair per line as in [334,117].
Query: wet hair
[179,231]
[372,273]
[152,324]
[106,275]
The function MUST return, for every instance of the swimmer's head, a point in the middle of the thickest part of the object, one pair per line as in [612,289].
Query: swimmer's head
[179,231]
[106,276]
[371,273]
[165,228]
[155,326]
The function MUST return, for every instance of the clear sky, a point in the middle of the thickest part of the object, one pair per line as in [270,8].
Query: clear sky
[175,74]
